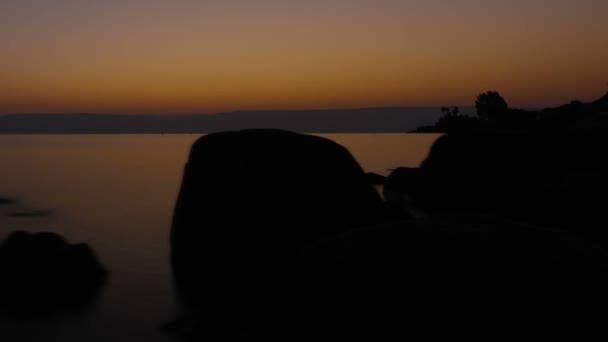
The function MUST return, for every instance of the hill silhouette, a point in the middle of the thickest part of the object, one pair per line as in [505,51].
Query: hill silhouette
[362,120]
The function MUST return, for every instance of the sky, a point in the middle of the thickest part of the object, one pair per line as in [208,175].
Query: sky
[206,56]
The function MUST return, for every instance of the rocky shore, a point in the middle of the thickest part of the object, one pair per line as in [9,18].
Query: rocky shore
[283,235]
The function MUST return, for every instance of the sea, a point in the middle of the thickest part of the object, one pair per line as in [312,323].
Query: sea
[117,193]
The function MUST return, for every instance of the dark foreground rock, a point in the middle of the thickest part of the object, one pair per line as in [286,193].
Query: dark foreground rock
[248,201]
[41,271]
[458,275]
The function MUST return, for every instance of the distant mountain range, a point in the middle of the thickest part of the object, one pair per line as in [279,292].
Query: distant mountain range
[364,120]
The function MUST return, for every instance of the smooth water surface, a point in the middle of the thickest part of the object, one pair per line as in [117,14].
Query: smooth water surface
[117,192]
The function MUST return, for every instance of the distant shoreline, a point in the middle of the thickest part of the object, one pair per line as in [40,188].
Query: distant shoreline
[362,120]
[198,133]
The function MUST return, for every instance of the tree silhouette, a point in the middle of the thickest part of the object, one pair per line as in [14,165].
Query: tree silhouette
[491,106]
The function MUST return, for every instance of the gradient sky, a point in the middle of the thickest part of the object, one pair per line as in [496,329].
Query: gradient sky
[160,57]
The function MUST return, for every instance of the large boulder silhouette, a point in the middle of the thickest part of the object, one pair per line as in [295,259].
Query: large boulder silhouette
[248,201]
[41,271]
[498,173]
[465,170]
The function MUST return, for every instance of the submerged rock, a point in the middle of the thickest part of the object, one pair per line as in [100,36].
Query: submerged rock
[43,271]
[6,201]
[30,213]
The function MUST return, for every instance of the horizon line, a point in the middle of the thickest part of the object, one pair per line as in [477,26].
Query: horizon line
[237,111]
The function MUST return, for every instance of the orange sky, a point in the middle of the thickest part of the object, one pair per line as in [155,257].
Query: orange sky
[207,56]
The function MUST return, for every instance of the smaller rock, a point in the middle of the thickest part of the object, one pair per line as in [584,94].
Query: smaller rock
[43,271]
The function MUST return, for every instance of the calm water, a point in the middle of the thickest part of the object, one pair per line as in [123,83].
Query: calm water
[116,192]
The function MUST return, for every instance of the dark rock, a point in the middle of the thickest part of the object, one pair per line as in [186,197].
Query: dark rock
[468,163]
[248,201]
[458,275]
[550,180]
[42,271]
